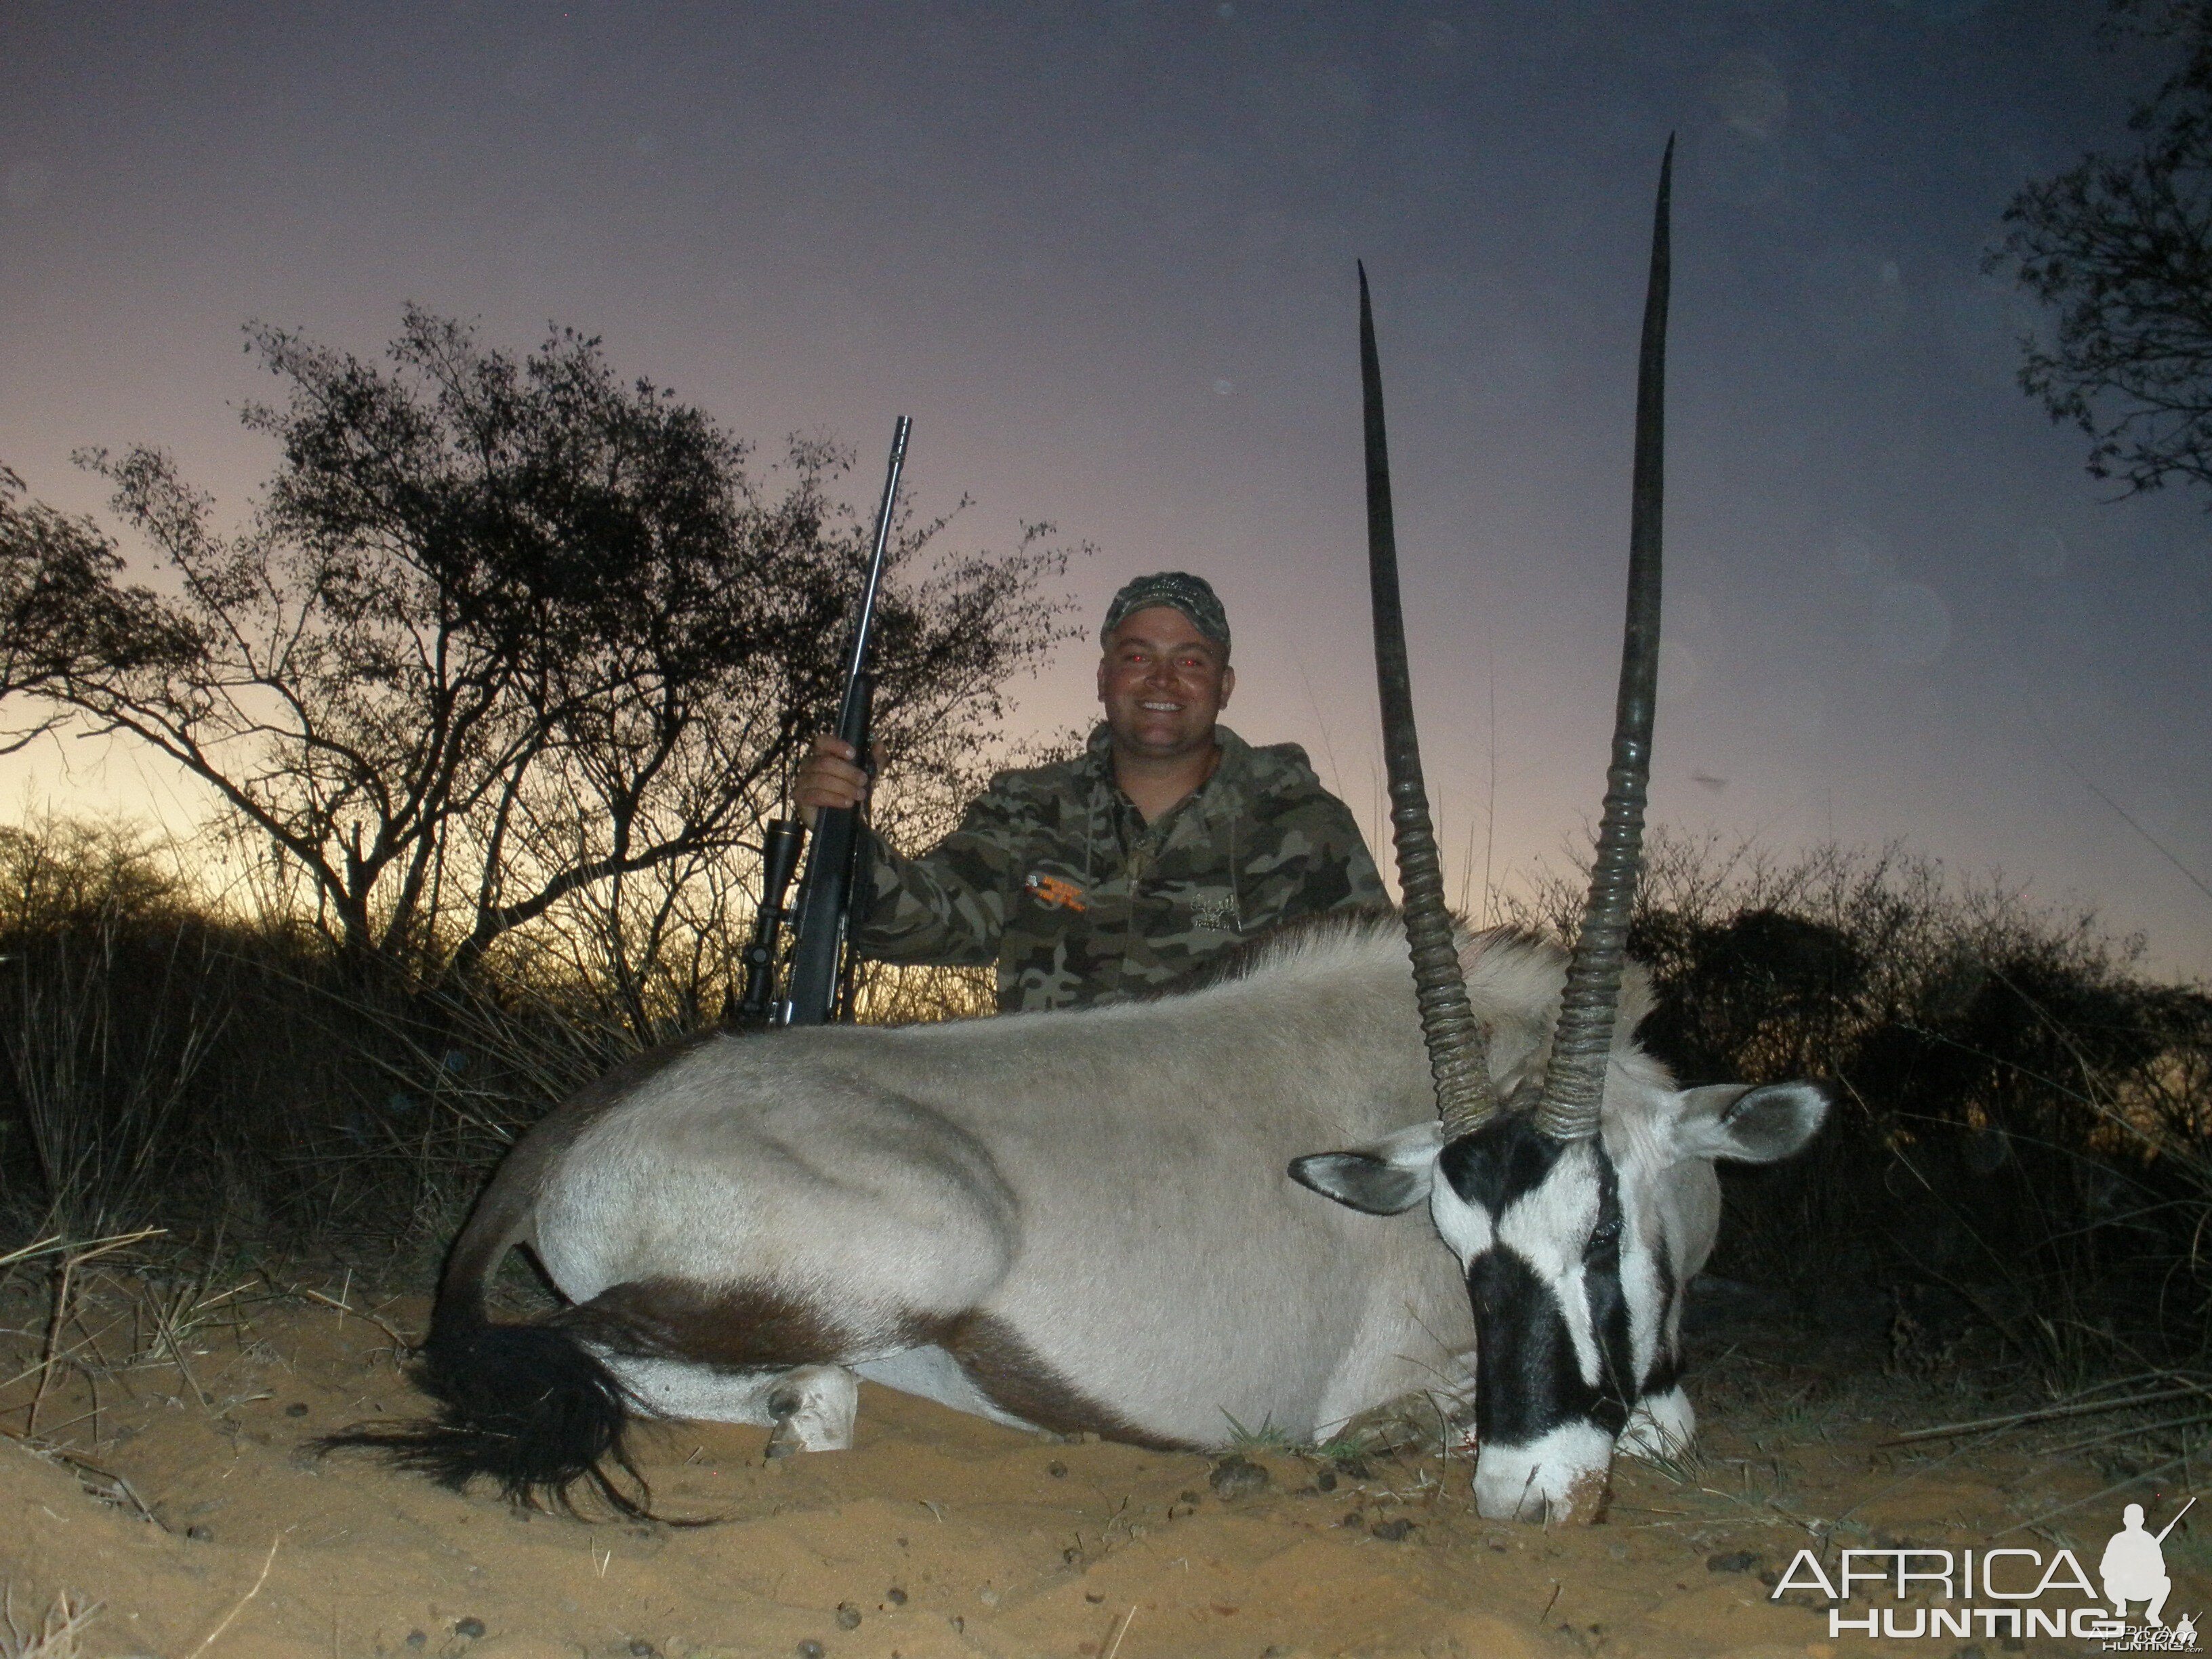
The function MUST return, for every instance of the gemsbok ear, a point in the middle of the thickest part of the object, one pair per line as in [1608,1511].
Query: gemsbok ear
[1749,1125]
[1360,1181]
[1387,1177]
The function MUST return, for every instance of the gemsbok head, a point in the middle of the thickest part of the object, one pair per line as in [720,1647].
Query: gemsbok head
[1579,1204]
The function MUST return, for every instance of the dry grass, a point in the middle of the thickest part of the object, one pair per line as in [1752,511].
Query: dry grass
[56,1636]
[2022,1130]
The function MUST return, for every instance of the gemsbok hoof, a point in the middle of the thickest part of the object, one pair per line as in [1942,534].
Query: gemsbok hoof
[813,1408]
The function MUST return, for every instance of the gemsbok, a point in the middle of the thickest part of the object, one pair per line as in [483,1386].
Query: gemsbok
[1114,1219]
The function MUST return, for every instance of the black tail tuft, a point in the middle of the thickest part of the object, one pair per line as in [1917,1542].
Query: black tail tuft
[528,1406]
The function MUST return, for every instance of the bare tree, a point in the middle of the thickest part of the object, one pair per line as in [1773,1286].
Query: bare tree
[502,633]
[2120,248]
[61,609]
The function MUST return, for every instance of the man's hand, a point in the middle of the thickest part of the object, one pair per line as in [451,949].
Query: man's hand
[828,778]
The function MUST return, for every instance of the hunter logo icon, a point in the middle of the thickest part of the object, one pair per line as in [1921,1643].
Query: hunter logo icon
[2133,1569]
[1055,891]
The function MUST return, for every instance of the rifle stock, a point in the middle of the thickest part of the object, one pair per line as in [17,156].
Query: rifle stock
[825,891]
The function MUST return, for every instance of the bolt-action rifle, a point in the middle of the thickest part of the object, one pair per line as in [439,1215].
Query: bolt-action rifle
[817,975]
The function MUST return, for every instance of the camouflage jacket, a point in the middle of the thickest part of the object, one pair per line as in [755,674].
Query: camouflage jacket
[1056,877]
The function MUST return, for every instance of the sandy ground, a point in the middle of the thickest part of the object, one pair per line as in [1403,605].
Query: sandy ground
[183,1501]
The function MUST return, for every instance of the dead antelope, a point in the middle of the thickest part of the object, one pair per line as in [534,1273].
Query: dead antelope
[1083,1221]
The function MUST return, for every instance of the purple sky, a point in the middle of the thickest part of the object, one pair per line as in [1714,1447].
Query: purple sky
[1103,254]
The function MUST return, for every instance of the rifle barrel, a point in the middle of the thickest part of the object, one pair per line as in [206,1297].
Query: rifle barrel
[851,709]
[825,892]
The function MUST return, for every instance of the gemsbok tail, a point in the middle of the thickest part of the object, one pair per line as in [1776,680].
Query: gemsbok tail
[528,1406]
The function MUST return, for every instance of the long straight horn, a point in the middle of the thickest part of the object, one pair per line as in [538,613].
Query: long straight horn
[1574,1083]
[1458,1046]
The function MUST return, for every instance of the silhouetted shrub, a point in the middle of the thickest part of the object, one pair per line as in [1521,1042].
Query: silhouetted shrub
[2020,1116]
[2021,1120]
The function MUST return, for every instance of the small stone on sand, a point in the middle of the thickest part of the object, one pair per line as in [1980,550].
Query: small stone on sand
[1237,1476]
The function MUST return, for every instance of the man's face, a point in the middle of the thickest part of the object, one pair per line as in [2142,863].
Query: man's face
[1162,683]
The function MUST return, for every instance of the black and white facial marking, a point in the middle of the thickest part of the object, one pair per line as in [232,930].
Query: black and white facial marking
[1573,1300]
[1537,1226]
[1573,1308]
[1575,1254]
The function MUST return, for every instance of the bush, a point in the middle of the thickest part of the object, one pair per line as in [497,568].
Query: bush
[163,1063]
[2020,1114]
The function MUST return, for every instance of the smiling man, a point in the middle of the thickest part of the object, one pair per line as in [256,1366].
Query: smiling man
[1169,841]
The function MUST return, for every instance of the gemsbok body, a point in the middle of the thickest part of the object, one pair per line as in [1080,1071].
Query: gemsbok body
[1117,1219]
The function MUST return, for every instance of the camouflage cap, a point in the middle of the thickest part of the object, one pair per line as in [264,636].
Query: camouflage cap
[1179,590]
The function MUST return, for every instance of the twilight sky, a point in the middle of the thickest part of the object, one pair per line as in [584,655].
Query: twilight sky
[1103,254]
